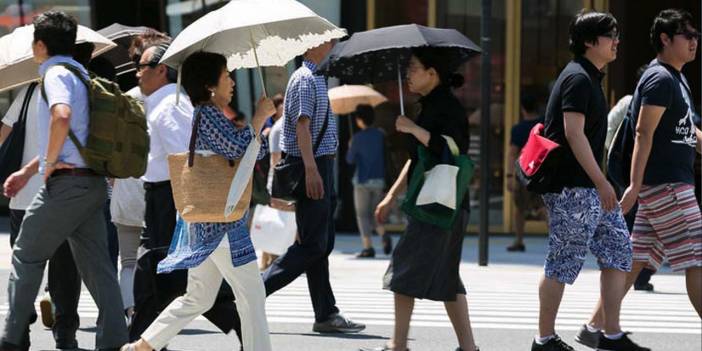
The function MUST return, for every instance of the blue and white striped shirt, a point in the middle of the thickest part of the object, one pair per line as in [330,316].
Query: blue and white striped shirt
[307,95]
[219,135]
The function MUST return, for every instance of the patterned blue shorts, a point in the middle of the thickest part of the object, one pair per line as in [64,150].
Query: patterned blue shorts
[576,222]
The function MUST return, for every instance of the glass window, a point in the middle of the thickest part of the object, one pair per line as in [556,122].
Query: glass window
[465,16]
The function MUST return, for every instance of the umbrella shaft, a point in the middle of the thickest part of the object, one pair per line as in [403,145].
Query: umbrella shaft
[399,86]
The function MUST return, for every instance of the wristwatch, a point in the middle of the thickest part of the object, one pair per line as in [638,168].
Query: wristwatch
[48,164]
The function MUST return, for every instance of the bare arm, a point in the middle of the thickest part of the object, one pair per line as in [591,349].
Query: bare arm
[400,184]
[313,181]
[574,125]
[384,207]
[59,125]
[698,132]
[5,131]
[649,118]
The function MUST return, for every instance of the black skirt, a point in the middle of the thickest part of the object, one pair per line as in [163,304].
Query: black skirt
[425,263]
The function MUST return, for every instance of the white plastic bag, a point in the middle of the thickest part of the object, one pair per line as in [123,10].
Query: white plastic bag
[272,230]
[439,186]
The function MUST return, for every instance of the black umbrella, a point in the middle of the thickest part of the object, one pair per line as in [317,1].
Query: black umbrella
[119,56]
[382,54]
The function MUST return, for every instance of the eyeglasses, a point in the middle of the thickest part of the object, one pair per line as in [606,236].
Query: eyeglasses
[141,66]
[690,35]
[614,35]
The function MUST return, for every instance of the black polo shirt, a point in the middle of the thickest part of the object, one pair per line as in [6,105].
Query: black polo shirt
[578,89]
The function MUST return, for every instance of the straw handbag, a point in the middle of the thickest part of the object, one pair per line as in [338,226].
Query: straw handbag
[208,187]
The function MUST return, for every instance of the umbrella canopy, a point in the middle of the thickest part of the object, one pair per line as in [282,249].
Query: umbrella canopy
[17,66]
[122,35]
[119,56]
[278,30]
[376,55]
[344,99]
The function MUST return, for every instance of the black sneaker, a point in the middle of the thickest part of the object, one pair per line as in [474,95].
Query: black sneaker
[588,338]
[337,323]
[643,287]
[621,344]
[555,344]
[366,253]
[387,244]
[516,248]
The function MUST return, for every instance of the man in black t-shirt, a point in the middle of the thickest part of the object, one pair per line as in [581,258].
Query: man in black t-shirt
[582,205]
[668,222]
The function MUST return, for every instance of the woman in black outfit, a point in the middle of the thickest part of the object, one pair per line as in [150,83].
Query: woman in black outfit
[426,260]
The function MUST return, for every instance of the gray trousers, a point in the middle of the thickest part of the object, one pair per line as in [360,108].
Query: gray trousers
[66,208]
[365,199]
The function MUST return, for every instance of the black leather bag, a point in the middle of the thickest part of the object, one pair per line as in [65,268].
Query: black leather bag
[289,173]
[12,149]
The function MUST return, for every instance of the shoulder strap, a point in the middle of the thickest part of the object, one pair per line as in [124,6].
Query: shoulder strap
[73,69]
[321,132]
[25,103]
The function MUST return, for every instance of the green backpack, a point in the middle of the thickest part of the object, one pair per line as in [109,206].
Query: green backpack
[118,139]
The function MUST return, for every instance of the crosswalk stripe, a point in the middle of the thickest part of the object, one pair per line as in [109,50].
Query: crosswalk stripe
[509,308]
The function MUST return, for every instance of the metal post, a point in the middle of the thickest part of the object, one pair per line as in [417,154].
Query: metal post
[485,88]
[21,12]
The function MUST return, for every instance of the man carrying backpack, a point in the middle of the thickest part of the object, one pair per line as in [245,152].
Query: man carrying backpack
[69,206]
[668,222]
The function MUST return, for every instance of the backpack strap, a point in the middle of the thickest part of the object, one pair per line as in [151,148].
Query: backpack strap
[76,71]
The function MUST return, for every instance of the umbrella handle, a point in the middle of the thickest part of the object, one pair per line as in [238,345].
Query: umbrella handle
[260,70]
[399,85]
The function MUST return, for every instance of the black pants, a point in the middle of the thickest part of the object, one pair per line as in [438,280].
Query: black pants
[315,225]
[64,285]
[153,292]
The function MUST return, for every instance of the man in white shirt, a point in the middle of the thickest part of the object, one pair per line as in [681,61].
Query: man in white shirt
[69,205]
[170,125]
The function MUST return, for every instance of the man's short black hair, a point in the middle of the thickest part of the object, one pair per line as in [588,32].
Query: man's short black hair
[57,31]
[529,103]
[587,27]
[365,113]
[670,22]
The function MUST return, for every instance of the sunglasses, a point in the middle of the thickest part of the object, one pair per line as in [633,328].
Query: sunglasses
[141,66]
[690,35]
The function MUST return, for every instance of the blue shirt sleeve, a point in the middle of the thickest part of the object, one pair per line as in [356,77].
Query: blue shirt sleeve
[303,100]
[216,133]
[59,86]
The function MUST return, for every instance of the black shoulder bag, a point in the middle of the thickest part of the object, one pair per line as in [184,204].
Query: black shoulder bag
[289,173]
[12,149]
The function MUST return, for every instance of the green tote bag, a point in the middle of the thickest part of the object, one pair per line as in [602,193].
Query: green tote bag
[437,214]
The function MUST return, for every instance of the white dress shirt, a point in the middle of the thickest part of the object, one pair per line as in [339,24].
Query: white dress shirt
[24,197]
[170,126]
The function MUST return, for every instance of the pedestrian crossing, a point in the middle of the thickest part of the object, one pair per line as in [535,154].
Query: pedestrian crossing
[503,300]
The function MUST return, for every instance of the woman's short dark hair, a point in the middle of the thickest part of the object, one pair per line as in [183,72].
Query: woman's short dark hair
[365,113]
[277,99]
[57,31]
[587,27]
[201,70]
[670,22]
[440,60]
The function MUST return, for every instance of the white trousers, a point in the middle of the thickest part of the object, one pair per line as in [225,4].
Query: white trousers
[203,285]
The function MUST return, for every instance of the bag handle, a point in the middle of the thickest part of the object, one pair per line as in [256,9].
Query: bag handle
[453,147]
[25,103]
[193,139]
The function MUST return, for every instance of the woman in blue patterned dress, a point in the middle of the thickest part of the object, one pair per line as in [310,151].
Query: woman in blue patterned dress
[219,250]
